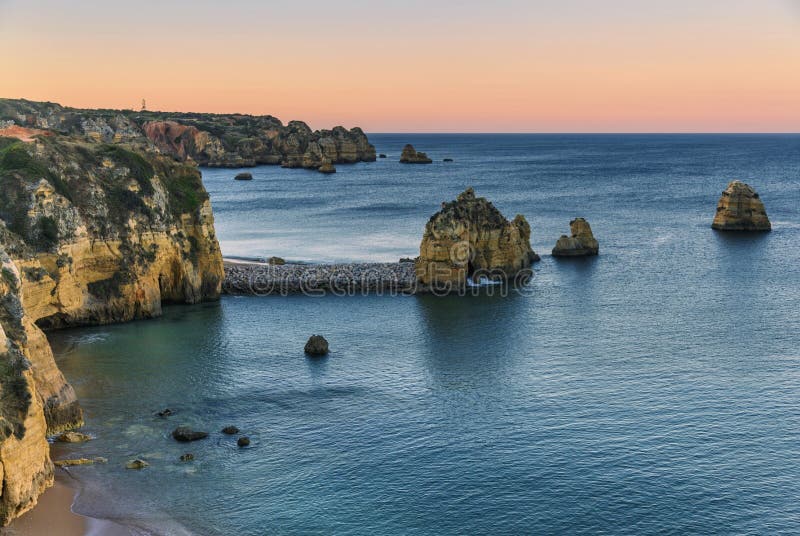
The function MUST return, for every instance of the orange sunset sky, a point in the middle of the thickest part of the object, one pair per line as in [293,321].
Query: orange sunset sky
[415,66]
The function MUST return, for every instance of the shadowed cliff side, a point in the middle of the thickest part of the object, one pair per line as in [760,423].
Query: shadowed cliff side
[92,233]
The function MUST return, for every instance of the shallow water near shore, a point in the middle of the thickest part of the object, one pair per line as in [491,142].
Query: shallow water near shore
[651,389]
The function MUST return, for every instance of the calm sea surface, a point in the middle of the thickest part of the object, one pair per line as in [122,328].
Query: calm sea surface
[654,389]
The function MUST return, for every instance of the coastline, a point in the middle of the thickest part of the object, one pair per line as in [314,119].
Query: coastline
[54,515]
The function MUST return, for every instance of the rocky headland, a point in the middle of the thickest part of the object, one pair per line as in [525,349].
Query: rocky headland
[740,209]
[216,140]
[580,243]
[93,230]
[470,239]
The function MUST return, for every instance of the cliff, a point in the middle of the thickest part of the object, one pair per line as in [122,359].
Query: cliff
[93,233]
[470,238]
[740,209]
[220,140]
[580,243]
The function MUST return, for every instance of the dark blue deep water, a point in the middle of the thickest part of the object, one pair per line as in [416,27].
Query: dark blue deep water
[654,389]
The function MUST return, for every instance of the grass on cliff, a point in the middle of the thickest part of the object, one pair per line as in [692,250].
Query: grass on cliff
[186,192]
[140,169]
[14,158]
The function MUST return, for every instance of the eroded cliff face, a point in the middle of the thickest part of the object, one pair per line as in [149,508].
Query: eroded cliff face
[25,466]
[470,238]
[740,209]
[221,140]
[580,243]
[94,233]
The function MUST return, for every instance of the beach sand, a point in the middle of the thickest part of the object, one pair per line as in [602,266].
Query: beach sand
[53,515]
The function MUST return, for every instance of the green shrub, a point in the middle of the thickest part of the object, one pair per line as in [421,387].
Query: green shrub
[186,192]
[140,169]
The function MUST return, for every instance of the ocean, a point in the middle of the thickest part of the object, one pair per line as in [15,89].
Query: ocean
[653,389]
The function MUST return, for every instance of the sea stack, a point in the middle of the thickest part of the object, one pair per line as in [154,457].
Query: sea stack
[411,156]
[740,209]
[581,243]
[470,239]
[244,176]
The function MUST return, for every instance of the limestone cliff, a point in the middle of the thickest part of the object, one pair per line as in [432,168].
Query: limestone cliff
[470,238]
[93,233]
[25,467]
[221,140]
[580,243]
[740,209]
[412,156]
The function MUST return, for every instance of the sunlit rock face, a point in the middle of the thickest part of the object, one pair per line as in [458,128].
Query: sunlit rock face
[470,238]
[740,209]
[580,243]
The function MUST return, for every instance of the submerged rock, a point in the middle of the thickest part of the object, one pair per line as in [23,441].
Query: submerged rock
[740,209]
[79,461]
[184,434]
[188,457]
[72,437]
[165,413]
[316,346]
[411,156]
[244,177]
[136,464]
[470,238]
[447,160]
[243,441]
[230,430]
[381,155]
[581,243]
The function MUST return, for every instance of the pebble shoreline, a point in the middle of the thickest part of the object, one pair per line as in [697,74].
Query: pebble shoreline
[249,278]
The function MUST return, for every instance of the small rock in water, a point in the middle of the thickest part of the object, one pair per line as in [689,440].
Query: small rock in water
[407,259]
[74,461]
[447,160]
[276,261]
[327,167]
[381,155]
[72,437]
[243,441]
[165,412]
[244,177]
[136,464]
[188,457]
[230,430]
[316,345]
[184,434]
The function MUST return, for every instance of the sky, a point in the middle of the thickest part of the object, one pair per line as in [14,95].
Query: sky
[420,66]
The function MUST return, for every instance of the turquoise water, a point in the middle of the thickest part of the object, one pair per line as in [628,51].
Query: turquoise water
[653,389]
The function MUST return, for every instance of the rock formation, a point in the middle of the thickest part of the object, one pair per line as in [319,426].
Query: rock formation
[243,441]
[90,233]
[229,140]
[580,243]
[326,167]
[243,177]
[411,156]
[740,209]
[184,434]
[316,346]
[470,238]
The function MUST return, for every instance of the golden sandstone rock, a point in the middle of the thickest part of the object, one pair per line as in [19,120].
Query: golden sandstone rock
[581,243]
[740,209]
[470,238]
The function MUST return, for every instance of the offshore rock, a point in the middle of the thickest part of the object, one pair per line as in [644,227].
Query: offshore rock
[470,238]
[327,167]
[740,209]
[243,441]
[72,437]
[230,430]
[136,464]
[581,243]
[316,346]
[411,156]
[243,177]
[184,434]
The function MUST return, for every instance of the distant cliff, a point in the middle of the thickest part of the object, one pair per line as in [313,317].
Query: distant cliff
[220,140]
[90,233]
